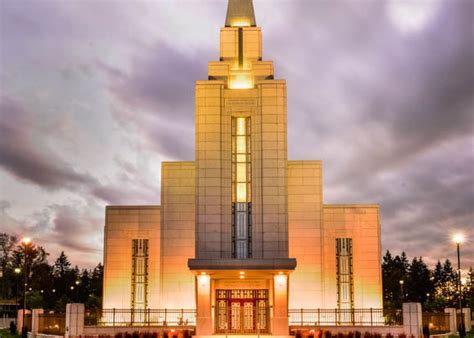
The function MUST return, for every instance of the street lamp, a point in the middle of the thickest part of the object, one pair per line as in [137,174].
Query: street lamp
[401,289]
[459,239]
[17,272]
[26,241]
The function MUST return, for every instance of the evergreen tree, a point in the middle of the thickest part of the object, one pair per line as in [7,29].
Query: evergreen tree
[419,284]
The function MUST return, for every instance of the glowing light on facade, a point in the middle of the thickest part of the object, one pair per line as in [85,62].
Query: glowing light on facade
[240,81]
[240,22]
[204,280]
[280,280]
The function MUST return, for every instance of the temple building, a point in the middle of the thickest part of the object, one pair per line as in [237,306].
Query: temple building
[242,234]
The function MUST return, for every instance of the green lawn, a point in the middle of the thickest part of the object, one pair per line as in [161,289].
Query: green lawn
[5,333]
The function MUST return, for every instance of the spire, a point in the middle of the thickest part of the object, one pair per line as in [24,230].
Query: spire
[240,13]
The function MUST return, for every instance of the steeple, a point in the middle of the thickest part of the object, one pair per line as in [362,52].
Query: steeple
[240,13]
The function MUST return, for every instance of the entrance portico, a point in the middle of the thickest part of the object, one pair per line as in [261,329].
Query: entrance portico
[242,301]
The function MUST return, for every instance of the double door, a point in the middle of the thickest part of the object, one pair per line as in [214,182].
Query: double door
[242,311]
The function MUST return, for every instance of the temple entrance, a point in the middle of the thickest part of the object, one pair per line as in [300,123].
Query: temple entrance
[242,311]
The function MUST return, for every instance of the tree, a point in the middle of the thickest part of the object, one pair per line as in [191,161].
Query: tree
[7,246]
[419,283]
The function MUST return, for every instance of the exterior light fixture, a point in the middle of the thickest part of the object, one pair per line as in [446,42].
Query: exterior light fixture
[17,270]
[242,273]
[72,287]
[458,238]
[26,240]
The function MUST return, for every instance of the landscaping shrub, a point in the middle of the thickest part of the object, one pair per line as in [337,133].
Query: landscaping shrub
[350,334]
[119,335]
[377,335]
[402,335]
[340,335]
[389,335]
[368,335]
[357,334]
[327,334]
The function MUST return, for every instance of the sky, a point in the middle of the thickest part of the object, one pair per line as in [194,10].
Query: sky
[96,93]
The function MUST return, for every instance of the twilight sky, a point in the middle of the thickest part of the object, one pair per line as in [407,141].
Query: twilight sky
[96,93]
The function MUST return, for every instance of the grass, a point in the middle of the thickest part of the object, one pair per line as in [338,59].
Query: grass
[5,333]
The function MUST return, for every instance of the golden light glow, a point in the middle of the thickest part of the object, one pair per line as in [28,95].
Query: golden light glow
[242,273]
[458,238]
[280,280]
[242,277]
[241,175]
[241,192]
[240,22]
[204,280]
[17,270]
[26,240]
[241,127]
[240,81]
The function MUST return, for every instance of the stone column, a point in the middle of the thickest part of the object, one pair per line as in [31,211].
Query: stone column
[35,321]
[412,320]
[453,328]
[19,320]
[280,305]
[74,320]
[203,315]
[467,318]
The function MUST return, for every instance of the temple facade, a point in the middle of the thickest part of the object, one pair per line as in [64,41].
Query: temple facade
[242,234]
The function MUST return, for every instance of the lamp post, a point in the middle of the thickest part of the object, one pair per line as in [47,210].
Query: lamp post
[17,272]
[26,243]
[401,290]
[458,239]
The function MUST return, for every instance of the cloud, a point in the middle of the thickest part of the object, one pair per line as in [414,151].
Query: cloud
[35,162]
[29,160]
[156,96]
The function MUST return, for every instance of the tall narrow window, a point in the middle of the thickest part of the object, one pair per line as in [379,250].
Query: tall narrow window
[344,273]
[241,188]
[139,273]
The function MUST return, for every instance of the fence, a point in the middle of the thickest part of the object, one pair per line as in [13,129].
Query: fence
[52,323]
[140,317]
[345,317]
[438,322]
